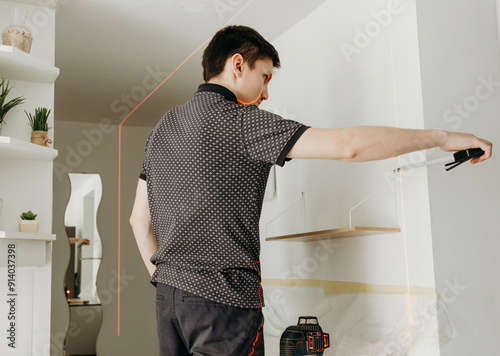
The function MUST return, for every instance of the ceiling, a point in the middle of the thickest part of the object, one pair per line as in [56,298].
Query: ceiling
[113,53]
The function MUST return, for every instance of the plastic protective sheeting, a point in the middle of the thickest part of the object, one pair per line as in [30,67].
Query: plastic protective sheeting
[361,324]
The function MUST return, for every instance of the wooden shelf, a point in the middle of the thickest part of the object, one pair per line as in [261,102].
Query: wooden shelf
[18,65]
[77,302]
[334,234]
[13,148]
[26,236]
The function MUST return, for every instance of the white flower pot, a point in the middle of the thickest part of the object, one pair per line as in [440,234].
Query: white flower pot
[28,226]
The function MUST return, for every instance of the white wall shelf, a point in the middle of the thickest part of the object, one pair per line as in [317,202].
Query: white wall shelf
[26,236]
[21,163]
[18,65]
[30,250]
[334,234]
[12,148]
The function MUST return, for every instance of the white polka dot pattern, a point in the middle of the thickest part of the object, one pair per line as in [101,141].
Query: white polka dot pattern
[206,167]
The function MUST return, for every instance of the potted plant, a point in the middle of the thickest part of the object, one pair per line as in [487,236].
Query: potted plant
[39,126]
[28,222]
[17,35]
[6,106]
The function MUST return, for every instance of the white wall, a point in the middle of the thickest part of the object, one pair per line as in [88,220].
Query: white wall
[459,52]
[498,20]
[332,77]
[93,148]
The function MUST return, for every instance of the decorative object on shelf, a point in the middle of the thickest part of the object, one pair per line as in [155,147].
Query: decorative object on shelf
[17,35]
[5,107]
[39,126]
[28,222]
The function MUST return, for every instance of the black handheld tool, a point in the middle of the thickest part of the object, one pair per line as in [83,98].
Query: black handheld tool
[464,156]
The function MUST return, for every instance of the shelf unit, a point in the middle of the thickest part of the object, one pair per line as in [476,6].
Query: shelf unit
[18,65]
[334,234]
[32,250]
[25,236]
[13,148]
[26,174]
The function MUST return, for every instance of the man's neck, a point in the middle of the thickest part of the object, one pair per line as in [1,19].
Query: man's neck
[224,83]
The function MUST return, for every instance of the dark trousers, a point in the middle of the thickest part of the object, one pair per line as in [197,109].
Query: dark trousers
[194,326]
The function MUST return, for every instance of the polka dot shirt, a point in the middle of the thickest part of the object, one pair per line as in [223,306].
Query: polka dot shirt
[206,166]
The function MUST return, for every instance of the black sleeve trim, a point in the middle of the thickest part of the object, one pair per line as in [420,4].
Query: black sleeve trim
[142,176]
[282,157]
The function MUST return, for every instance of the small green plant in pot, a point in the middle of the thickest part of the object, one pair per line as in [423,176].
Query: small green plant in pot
[5,105]
[28,222]
[39,126]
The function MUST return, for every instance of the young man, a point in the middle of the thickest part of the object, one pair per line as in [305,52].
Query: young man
[200,192]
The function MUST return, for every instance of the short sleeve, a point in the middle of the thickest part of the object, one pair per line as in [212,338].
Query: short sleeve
[269,137]
[143,174]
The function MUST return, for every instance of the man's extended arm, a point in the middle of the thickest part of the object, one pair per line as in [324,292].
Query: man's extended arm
[370,143]
[141,225]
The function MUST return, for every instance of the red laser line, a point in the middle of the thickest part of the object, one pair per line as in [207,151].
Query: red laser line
[119,215]
[399,158]
[393,77]
[120,150]
[256,339]
[260,95]
[251,102]
[408,299]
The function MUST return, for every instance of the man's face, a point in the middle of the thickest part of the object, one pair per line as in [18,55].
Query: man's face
[255,81]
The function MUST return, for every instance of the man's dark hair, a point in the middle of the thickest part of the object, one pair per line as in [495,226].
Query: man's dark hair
[236,39]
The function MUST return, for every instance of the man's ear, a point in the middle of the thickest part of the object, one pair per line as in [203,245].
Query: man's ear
[237,64]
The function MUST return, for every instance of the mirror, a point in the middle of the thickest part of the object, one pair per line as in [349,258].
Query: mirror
[86,252]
